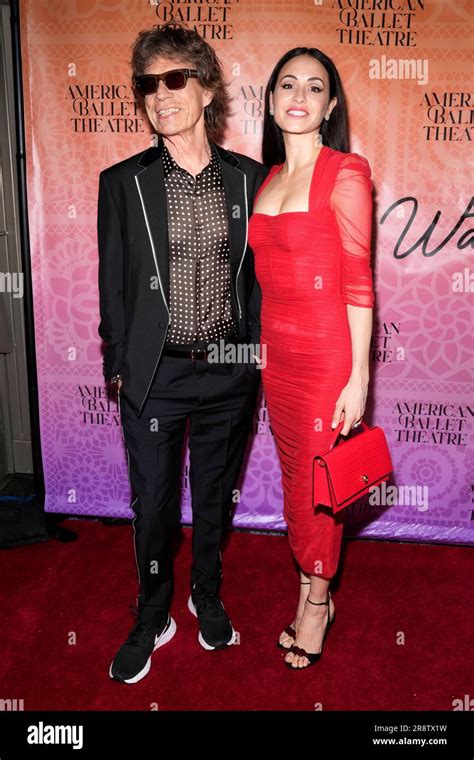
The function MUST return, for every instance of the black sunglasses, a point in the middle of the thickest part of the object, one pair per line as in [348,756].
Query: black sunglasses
[176,79]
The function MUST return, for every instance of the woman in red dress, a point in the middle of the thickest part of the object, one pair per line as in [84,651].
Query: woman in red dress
[310,233]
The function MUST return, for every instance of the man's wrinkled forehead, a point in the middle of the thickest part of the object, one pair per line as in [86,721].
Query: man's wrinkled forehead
[163,64]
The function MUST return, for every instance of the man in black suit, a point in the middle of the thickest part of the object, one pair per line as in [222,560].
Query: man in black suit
[176,280]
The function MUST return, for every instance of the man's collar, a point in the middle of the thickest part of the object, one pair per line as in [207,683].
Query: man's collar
[170,164]
[155,152]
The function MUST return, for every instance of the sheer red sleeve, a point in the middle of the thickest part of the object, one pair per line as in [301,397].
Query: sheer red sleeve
[351,202]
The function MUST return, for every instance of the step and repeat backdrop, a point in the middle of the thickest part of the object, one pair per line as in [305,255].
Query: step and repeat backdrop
[405,66]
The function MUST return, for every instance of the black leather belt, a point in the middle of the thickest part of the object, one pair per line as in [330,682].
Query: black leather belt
[193,353]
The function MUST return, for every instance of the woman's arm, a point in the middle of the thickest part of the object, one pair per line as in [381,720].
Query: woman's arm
[350,405]
[351,201]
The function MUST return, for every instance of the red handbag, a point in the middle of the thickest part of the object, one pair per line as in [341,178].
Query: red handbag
[347,471]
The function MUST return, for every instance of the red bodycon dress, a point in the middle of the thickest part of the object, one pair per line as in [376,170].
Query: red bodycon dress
[309,265]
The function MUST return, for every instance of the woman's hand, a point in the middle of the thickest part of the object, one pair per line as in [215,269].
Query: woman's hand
[350,405]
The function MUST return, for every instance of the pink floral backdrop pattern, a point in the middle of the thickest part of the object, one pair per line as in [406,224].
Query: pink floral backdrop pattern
[405,67]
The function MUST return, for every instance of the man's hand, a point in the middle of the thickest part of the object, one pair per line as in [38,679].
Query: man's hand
[116,381]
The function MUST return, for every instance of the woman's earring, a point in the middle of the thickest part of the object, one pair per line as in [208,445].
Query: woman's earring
[271,111]
[319,139]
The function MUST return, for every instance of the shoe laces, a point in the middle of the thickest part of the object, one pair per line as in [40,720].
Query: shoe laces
[209,600]
[141,634]
[142,631]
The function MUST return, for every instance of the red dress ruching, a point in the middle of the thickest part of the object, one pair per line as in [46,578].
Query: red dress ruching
[309,265]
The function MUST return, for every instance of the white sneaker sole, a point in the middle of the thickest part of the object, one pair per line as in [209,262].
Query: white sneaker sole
[160,641]
[203,643]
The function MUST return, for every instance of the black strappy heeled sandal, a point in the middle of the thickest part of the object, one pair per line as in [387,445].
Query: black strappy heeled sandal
[289,630]
[312,657]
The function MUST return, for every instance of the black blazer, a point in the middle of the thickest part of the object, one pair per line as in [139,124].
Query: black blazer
[132,233]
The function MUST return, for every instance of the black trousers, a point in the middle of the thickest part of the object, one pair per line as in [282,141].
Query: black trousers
[219,401]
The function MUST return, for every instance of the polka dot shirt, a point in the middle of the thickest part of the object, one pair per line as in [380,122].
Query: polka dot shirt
[200,305]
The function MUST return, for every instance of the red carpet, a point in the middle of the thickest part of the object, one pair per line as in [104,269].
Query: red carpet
[51,592]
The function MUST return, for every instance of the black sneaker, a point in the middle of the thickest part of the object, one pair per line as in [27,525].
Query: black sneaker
[215,628]
[133,660]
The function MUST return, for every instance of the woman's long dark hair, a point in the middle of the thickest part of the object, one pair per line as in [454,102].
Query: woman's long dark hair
[334,132]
